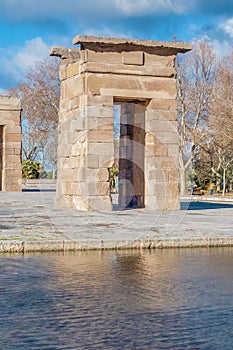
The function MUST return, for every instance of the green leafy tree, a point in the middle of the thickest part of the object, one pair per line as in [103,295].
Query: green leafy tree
[31,169]
[113,173]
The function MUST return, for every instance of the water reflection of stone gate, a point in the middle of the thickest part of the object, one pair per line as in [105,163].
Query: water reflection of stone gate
[139,76]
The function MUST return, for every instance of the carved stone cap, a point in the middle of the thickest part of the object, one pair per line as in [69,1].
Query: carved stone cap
[72,54]
[122,44]
[9,103]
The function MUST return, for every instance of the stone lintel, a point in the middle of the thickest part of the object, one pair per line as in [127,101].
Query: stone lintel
[127,69]
[123,44]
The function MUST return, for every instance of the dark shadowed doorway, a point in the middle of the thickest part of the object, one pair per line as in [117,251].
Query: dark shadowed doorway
[129,139]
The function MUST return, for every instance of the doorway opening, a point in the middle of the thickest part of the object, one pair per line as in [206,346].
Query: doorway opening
[129,154]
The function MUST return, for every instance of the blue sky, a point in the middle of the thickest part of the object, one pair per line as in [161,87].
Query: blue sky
[30,27]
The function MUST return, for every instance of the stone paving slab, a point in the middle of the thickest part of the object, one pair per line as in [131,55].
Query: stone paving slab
[30,220]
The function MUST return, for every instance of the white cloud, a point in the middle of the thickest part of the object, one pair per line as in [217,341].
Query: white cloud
[108,32]
[218,37]
[90,10]
[17,60]
[142,7]
[34,50]
[44,9]
[220,47]
[131,7]
[227,27]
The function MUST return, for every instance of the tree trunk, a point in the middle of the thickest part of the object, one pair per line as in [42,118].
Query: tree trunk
[53,172]
[218,185]
[182,181]
[224,182]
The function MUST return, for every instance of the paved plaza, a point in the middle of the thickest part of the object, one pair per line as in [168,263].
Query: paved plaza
[30,220]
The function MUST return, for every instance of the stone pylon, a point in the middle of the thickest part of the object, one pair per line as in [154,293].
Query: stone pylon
[10,144]
[139,76]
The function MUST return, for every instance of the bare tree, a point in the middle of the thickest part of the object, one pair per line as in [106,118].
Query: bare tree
[196,72]
[221,123]
[39,94]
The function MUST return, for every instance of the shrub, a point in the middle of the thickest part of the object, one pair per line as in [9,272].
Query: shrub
[31,169]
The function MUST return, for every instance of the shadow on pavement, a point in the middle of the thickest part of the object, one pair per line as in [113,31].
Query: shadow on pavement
[204,205]
[37,190]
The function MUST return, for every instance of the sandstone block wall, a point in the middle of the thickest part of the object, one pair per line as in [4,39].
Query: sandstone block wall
[10,144]
[105,71]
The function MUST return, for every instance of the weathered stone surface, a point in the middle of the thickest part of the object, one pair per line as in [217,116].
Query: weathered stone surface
[72,70]
[37,225]
[133,58]
[106,161]
[130,86]
[72,87]
[129,69]
[155,47]
[140,76]
[10,144]
[92,161]
[99,123]
[168,137]
[98,189]
[158,150]
[165,105]
[95,135]
[9,103]
[67,54]
[97,175]
[155,126]
[101,149]
[97,100]
[13,129]
[100,203]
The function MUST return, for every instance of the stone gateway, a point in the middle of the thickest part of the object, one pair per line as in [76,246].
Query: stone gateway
[132,81]
[10,144]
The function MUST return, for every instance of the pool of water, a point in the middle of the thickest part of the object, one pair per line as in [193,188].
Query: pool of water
[159,299]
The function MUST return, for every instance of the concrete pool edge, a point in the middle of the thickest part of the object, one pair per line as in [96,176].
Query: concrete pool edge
[56,246]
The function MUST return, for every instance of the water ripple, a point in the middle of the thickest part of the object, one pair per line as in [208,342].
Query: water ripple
[165,299]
